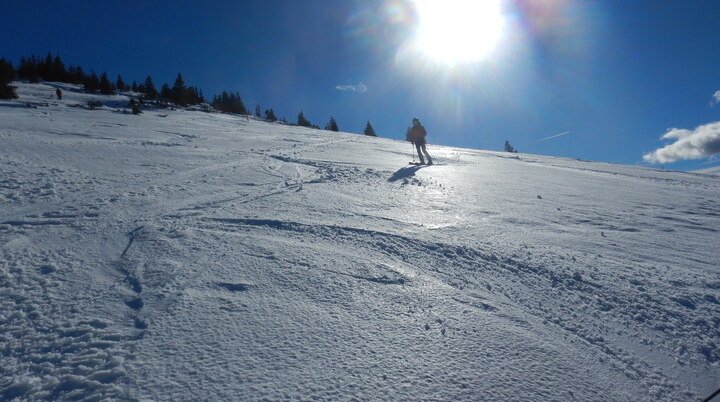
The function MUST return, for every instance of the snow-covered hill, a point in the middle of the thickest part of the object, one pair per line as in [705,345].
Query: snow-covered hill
[184,256]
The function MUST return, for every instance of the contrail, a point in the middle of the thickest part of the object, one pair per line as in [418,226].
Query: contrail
[552,136]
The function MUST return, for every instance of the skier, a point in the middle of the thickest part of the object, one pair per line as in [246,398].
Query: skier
[416,134]
[59,94]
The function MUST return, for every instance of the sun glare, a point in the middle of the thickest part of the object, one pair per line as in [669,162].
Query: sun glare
[458,31]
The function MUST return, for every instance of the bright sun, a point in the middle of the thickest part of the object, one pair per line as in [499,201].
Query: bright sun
[458,31]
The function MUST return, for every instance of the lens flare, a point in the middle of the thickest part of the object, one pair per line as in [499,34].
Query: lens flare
[458,31]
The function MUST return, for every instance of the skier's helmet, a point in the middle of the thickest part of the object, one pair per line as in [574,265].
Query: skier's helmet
[416,121]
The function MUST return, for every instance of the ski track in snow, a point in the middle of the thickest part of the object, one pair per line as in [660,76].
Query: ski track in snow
[179,254]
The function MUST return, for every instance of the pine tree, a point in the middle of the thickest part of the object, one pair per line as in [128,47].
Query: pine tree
[92,83]
[257,110]
[199,98]
[219,101]
[76,75]
[332,125]
[52,69]
[120,84]
[106,87]
[134,86]
[7,75]
[302,121]
[369,130]
[166,93]
[28,69]
[45,68]
[270,115]
[178,91]
[150,90]
[192,96]
[58,69]
[229,103]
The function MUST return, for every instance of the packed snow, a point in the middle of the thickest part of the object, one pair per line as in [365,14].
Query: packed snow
[181,255]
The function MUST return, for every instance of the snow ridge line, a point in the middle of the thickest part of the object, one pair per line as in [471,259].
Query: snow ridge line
[342,231]
[465,260]
[569,291]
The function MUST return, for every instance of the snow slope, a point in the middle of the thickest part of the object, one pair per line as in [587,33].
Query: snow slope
[182,255]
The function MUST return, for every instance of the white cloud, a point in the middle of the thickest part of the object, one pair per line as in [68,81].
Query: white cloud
[359,88]
[702,142]
[716,98]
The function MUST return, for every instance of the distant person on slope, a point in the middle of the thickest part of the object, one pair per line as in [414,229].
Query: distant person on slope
[59,94]
[416,135]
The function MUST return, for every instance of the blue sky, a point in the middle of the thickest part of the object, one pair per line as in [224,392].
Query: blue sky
[615,75]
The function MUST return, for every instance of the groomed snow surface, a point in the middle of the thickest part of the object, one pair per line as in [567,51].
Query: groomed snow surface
[180,255]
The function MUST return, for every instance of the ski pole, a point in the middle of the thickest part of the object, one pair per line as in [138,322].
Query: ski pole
[716,393]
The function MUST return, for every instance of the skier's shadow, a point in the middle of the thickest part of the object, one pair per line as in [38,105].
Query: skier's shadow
[405,173]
